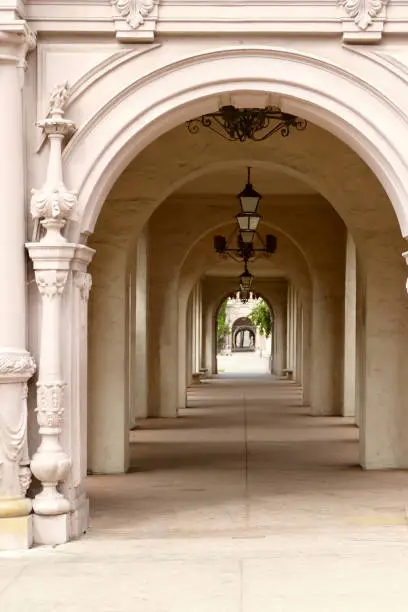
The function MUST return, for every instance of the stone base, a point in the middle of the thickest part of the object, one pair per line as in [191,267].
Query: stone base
[16,533]
[51,529]
[79,520]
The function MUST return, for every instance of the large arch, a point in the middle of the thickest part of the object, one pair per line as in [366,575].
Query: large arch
[139,113]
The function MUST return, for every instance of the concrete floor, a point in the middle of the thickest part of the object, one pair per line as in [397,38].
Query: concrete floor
[243,504]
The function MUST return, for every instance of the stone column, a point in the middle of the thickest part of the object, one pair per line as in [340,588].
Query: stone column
[141,344]
[137,329]
[210,338]
[189,340]
[75,372]
[182,352]
[349,401]
[299,341]
[16,365]
[52,257]
[306,346]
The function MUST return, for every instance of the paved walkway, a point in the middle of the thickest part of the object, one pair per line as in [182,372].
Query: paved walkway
[243,504]
[242,364]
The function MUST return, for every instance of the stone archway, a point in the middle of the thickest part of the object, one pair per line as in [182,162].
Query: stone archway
[109,140]
[243,335]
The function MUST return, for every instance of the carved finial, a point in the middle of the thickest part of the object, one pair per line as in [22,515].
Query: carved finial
[58,99]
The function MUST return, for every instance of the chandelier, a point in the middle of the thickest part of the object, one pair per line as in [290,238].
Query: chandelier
[240,124]
[245,243]
[244,248]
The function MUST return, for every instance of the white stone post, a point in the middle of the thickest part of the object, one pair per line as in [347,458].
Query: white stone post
[52,257]
[16,364]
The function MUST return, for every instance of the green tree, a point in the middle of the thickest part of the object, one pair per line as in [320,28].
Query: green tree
[222,326]
[260,316]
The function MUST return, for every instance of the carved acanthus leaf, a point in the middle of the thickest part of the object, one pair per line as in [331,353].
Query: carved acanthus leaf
[83,281]
[50,282]
[363,11]
[134,11]
[56,203]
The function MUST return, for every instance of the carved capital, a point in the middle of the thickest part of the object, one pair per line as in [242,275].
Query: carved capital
[16,365]
[83,280]
[18,39]
[51,282]
[363,11]
[50,404]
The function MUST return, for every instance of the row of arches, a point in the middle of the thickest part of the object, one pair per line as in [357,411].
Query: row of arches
[335,284]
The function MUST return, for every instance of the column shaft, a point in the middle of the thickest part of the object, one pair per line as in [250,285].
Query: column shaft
[16,365]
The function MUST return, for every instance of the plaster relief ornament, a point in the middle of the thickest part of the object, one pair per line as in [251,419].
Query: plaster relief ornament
[58,99]
[363,11]
[134,11]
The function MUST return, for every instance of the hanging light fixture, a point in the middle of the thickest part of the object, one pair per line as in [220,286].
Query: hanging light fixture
[249,198]
[240,124]
[245,280]
[247,225]
[248,219]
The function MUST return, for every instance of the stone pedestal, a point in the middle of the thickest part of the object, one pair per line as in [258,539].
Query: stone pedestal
[16,532]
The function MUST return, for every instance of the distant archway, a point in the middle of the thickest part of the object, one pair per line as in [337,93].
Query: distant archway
[243,335]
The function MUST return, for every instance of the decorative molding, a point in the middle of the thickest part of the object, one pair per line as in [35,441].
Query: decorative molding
[55,202]
[363,11]
[24,477]
[50,404]
[51,282]
[58,99]
[135,20]
[83,280]
[18,365]
[134,11]
[28,45]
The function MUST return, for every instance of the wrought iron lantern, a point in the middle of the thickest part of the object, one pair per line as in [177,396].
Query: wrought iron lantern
[248,219]
[240,124]
[246,249]
[245,280]
[249,198]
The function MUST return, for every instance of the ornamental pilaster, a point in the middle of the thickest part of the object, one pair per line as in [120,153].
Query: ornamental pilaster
[50,464]
[57,265]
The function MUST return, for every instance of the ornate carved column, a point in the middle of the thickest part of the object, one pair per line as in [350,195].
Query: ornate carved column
[16,365]
[52,257]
